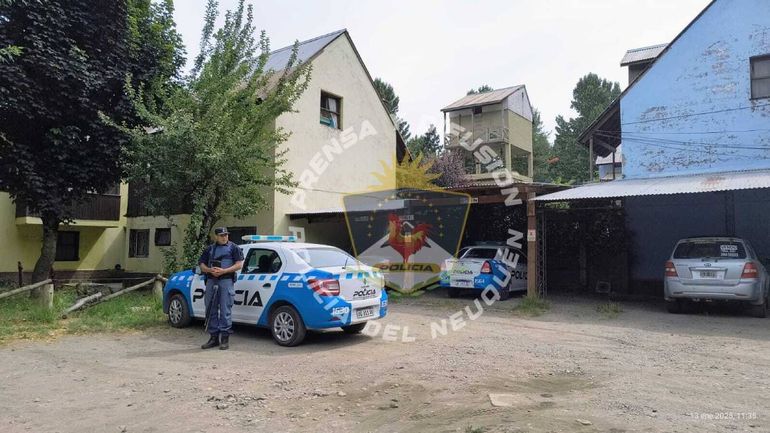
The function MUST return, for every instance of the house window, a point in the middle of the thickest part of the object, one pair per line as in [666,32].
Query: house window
[68,247]
[331,110]
[162,237]
[760,77]
[138,243]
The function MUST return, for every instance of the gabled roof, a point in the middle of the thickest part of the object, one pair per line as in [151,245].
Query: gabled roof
[307,50]
[642,54]
[310,49]
[615,105]
[479,99]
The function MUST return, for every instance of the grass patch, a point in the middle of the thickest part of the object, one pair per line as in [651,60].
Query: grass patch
[472,429]
[23,318]
[609,310]
[532,306]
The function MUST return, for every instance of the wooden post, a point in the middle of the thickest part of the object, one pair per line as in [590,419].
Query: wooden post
[24,289]
[157,288]
[21,274]
[591,158]
[46,296]
[531,247]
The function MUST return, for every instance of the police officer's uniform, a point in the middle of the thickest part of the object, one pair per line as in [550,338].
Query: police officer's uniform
[219,303]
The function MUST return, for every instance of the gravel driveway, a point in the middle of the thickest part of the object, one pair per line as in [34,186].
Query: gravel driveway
[570,370]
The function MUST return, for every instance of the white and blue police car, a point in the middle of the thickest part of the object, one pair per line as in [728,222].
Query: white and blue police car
[288,287]
[478,267]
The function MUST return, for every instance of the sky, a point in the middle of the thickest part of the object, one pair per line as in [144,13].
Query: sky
[433,52]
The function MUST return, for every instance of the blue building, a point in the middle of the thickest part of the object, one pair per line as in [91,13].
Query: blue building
[694,125]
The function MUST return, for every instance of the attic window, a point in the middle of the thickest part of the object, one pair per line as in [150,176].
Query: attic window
[760,77]
[331,110]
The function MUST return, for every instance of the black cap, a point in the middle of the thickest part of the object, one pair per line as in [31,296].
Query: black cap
[221,231]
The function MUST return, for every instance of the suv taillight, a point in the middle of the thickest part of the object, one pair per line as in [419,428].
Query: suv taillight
[486,268]
[750,270]
[325,287]
[671,269]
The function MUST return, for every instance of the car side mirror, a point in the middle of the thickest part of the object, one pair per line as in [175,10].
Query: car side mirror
[197,270]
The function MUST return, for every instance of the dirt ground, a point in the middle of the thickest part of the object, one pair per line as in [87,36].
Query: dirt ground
[570,370]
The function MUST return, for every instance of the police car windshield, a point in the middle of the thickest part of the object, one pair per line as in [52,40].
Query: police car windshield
[325,257]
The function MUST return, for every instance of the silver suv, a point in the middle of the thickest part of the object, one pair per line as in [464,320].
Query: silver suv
[716,268]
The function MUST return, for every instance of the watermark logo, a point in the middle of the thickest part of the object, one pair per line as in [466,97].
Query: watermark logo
[407,233]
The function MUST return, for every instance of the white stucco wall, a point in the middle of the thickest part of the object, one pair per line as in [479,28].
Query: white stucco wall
[333,162]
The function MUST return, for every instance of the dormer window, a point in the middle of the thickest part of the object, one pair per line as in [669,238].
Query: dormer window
[331,110]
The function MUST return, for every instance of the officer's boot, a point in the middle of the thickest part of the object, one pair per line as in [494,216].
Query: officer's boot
[213,342]
[225,344]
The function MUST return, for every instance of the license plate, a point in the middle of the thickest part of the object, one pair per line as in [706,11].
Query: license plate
[363,313]
[461,283]
[708,274]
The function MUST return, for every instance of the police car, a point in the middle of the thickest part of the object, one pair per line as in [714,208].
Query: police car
[288,287]
[479,266]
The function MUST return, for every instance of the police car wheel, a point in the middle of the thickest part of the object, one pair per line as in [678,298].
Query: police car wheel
[178,312]
[287,326]
[354,329]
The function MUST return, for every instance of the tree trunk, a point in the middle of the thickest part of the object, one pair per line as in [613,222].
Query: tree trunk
[47,251]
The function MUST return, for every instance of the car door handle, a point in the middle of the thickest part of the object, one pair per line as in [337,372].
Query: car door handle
[266,285]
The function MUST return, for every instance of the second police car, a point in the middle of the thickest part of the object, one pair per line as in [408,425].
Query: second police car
[480,266]
[288,287]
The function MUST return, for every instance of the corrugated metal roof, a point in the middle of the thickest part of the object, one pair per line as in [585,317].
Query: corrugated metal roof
[307,49]
[485,98]
[642,54]
[727,181]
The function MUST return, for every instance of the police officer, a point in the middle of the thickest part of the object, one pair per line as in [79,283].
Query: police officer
[219,262]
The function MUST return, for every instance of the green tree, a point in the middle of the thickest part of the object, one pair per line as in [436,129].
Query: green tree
[391,100]
[590,98]
[428,144]
[482,89]
[156,49]
[541,148]
[55,147]
[217,147]
[388,96]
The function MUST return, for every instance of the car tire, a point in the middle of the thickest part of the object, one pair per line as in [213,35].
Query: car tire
[354,329]
[505,293]
[674,306]
[453,292]
[178,311]
[287,326]
[759,311]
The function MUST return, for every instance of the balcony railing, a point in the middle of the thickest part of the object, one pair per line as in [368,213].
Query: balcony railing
[95,207]
[486,135]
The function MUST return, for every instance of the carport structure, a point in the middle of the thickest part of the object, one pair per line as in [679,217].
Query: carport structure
[622,232]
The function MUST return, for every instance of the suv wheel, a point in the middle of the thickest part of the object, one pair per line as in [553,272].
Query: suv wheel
[759,310]
[674,306]
[178,311]
[287,326]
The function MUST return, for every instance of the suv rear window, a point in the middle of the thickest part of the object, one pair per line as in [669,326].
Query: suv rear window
[325,257]
[481,253]
[702,249]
